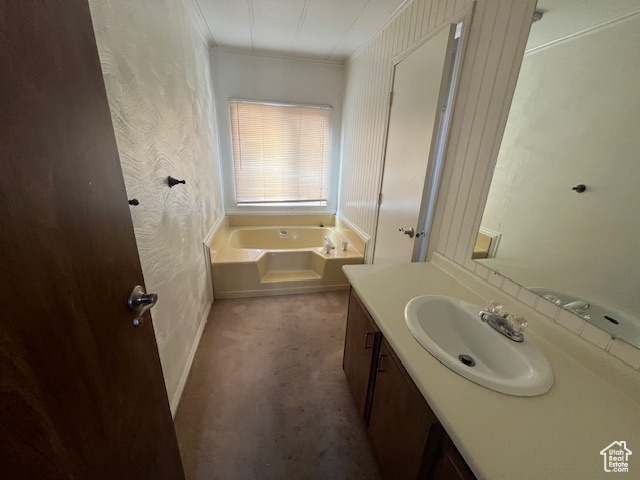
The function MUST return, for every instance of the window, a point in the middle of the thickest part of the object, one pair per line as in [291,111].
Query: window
[280,152]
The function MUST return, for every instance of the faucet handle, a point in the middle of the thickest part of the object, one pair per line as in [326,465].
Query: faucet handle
[495,307]
[517,323]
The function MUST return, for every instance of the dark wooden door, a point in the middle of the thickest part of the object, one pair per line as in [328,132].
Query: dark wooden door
[81,389]
[400,421]
[360,344]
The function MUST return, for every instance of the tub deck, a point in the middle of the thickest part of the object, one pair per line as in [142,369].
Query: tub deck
[240,269]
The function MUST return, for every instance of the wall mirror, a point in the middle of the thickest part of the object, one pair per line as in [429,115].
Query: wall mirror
[563,213]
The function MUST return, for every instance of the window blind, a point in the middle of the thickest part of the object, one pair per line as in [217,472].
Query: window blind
[280,152]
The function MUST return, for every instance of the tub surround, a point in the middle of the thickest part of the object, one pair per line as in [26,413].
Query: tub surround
[593,402]
[258,255]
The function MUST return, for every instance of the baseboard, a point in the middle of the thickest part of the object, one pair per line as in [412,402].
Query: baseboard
[175,401]
[281,291]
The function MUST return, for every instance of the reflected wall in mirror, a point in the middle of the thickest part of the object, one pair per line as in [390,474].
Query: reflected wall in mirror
[574,120]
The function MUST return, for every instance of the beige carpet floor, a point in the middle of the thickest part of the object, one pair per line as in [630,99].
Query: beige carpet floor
[267,397]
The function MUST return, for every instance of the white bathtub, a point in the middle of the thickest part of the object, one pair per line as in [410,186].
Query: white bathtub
[257,261]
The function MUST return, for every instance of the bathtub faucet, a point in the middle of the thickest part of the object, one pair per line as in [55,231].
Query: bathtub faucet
[328,245]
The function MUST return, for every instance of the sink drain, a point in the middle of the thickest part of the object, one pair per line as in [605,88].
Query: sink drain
[467,360]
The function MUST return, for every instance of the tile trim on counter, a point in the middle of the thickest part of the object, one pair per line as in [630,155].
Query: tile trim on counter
[616,347]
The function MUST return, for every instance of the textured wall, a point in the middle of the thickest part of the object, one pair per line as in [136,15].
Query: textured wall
[156,70]
[365,109]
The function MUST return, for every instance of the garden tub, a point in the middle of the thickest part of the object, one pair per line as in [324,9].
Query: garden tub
[255,260]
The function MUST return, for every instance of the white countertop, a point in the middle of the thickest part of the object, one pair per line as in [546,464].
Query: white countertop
[556,435]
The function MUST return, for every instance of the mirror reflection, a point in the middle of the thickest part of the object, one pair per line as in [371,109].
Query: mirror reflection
[562,217]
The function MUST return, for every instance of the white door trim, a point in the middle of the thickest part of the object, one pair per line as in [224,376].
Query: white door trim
[432,179]
[441,140]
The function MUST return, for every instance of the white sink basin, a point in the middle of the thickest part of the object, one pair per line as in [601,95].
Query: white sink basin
[449,328]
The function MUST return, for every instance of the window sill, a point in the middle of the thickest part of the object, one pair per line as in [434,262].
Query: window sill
[279,209]
[260,205]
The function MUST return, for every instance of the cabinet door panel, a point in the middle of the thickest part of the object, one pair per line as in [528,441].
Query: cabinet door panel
[361,341]
[450,465]
[400,420]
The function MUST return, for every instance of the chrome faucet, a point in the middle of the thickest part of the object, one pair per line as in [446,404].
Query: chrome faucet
[328,245]
[579,307]
[511,326]
[578,304]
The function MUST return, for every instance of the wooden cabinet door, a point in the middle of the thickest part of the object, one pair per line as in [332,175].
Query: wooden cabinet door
[360,344]
[400,421]
[449,464]
[82,394]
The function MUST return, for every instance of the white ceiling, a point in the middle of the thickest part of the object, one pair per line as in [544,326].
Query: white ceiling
[566,17]
[329,30]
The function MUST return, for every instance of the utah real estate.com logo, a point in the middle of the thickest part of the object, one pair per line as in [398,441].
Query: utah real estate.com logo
[616,457]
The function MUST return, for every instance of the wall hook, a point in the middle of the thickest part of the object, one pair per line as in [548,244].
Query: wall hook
[579,188]
[134,202]
[174,181]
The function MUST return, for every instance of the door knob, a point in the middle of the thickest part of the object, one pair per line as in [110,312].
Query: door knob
[140,302]
[409,231]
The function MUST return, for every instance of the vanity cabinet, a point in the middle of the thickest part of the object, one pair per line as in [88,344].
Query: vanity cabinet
[400,421]
[449,464]
[362,340]
[407,439]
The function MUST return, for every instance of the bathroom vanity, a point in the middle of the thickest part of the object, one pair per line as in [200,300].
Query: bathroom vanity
[407,439]
[426,421]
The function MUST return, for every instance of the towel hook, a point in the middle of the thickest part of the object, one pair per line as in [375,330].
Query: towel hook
[174,181]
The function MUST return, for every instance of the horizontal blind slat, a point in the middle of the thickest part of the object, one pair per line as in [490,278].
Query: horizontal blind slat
[281,153]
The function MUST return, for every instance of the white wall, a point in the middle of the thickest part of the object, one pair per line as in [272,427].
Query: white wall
[491,60]
[574,119]
[278,80]
[490,69]
[490,64]
[156,69]
[368,83]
